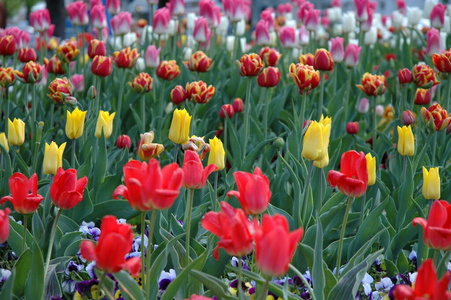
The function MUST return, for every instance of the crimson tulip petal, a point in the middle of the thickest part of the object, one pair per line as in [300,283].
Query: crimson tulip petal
[404,292]
[164,199]
[441,288]
[207,171]
[210,222]
[438,238]
[351,187]
[120,191]
[333,177]
[6,198]
[88,251]
[426,279]
[81,184]
[348,160]
[438,214]
[70,199]
[133,265]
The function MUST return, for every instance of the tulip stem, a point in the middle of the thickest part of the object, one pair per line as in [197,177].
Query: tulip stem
[442,266]
[176,152]
[72,159]
[374,122]
[97,101]
[188,224]
[264,291]
[25,221]
[99,287]
[342,235]
[448,93]
[362,211]
[246,116]
[320,202]
[435,257]
[161,103]
[215,188]
[265,121]
[6,108]
[404,169]
[240,268]
[52,238]
[119,104]
[321,96]
[153,219]
[302,113]
[143,112]
[143,260]
[33,120]
[306,193]
[434,148]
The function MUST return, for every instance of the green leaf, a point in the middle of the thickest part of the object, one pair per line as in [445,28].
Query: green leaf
[100,163]
[22,269]
[318,275]
[52,286]
[215,285]
[129,286]
[118,208]
[66,240]
[35,284]
[73,248]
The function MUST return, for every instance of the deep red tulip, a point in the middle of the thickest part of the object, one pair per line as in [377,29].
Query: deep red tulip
[148,187]
[253,191]
[31,72]
[101,66]
[250,65]
[352,181]
[275,245]
[270,56]
[7,45]
[407,118]
[422,96]
[226,109]
[323,60]
[424,76]
[53,65]
[437,229]
[126,58]
[178,95]
[405,76]
[27,54]
[269,77]
[24,193]
[123,141]
[168,70]
[436,117]
[442,61]
[114,243]
[238,105]
[199,62]
[96,47]
[352,127]
[195,176]
[66,191]
[233,229]
[427,285]
[4,225]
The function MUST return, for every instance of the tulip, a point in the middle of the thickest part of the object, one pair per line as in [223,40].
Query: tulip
[431,183]
[7,45]
[96,47]
[352,127]
[413,16]
[422,96]
[78,14]
[16,132]
[316,140]
[75,122]
[405,76]
[201,32]
[269,77]
[198,297]
[123,141]
[98,17]
[161,20]
[27,54]
[31,72]
[305,77]
[61,90]
[115,242]
[234,9]
[436,117]
[142,83]
[275,245]
[438,15]
[262,33]
[226,109]
[7,76]
[199,92]
[406,141]
[349,22]
[304,8]
[407,118]
[168,70]
[4,225]
[370,37]
[179,130]
[270,56]
[238,105]
[195,175]
[306,59]
[114,6]
[199,62]
[336,49]
[101,66]
[352,181]
[152,56]
[352,53]
[362,10]
[4,142]
[371,166]
[364,106]
[312,19]
[68,52]
[121,23]
[54,65]
[53,158]
[178,95]
[433,41]
[442,61]
[253,191]
[104,124]
[209,11]
[217,153]
[148,187]
[287,36]
[40,20]
[66,191]
[233,228]
[424,76]
[148,150]
[250,65]
[437,231]
[24,193]
[323,60]
[126,58]
[196,144]
[373,85]
[427,285]
[77,82]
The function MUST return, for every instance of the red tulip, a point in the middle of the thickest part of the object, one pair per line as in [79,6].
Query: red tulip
[238,105]
[27,54]
[4,225]
[422,96]
[250,65]
[101,66]
[436,117]
[226,109]
[114,243]
[53,65]
[23,201]
[198,297]
[275,245]
[352,181]
[66,191]
[233,229]
[405,76]
[253,191]
[442,61]
[31,72]
[426,285]
[352,127]
[195,176]
[199,92]
[178,95]
[168,70]
[123,141]
[126,58]
[269,77]
[323,60]
[96,47]
[7,45]
[437,229]
[148,187]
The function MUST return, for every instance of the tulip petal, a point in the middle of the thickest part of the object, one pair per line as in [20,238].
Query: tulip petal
[133,265]
[426,279]
[88,251]
[120,191]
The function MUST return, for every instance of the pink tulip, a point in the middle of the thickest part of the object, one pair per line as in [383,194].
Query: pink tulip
[21,37]
[284,8]
[362,10]
[366,25]
[312,19]
[235,9]
[266,15]
[114,6]
[336,49]
[287,36]
[161,20]
[433,41]
[209,11]
[438,15]
[303,36]
[401,5]
[262,33]
[152,57]
[122,23]
[78,14]
[304,9]
[93,3]
[352,55]
[335,3]
[98,16]
[201,31]
[77,81]
[40,20]
[325,22]
[364,106]
[176,7]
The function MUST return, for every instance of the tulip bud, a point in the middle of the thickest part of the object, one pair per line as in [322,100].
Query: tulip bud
[279,143]
[238,105]
[142,83]
[75,122]
[199,92]
[152,56]
[179,130]
[407,118]
[27,54]
[226,109]
[380,110]
[405,76]
[364,106]
[372,85]
[4,142]
[101,66]
[60,90]
[53,158]
[126,58]
[7,45]
[352,127]
[178,95]
[323,60]
[168,70]
[250,65]
[424,76]
[306,59]
[316,140]
[371,166]
[305,77]
[16,132]
[54,65]
[422,96]
[123,141]
[104,124]
[431,183]
[217,153]
[95,48]
[199,62]
[269,77]
[146,149]
[7,76]
[406,141]
[31,73]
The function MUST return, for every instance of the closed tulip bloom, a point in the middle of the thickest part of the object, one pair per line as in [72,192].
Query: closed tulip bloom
[431,183]
[78,14]
[168,70]
[7,45]
[433,41]
[336,49]
[96,47]
[199,92]
[427,285]
[424,76]
[306,59]
[66,191]
[405,76]
[233,228]
[152,56]
[435,117]
[7,76]
[323,60]
[253,191]
[195,175]
[422,96]
[142,83]
[24,193]
[123,141]
[250,65]
[114,6]
[104,124]
[121,23]
[352,54]
[275,245]
[4,225]
[27,54]
[352,127]
[287,37]
[305,77]
[226,109]
[238,105]
[53,158]
[31,72]
[68,52]
[61,90]
[179,130]
[16,132]
[101,66]
[407,118]
[371,165]
[53,65]
[406,141]
[98,16]
[199,62]
[148,187]
[115,242]
[262,33]
[438,15]
[75,123]
[201,31]
[352,181]
[126,58]
[178,95]
[217,154]
[146,149]
[316,140]
[442,61]
[372,85]
[40,20]
[161,20]
[270,56]
[4,142]
[269,77]
[437,229]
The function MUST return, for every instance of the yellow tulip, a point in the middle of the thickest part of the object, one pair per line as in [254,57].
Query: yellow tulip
[105,123]
[323,162]
[16,132]
[406,141]
[217,153]
[179,131]
[4,142]
[53,157]
[431,183]
[75,123]
[371,166]
[316,141]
